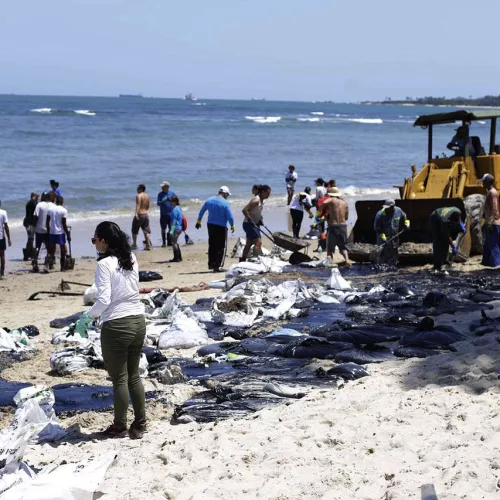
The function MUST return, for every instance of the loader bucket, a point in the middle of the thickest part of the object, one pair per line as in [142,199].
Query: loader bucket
[418,212]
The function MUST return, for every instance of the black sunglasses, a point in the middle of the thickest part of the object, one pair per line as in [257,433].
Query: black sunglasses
[93,240]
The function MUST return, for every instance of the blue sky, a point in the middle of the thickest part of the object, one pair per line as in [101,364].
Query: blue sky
[278,49]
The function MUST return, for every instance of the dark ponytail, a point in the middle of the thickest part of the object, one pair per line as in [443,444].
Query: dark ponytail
[118,244]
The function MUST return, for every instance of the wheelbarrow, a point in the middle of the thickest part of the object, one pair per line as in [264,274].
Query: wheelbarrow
[283,240]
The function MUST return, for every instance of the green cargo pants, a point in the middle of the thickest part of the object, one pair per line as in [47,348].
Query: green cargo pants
[121,342]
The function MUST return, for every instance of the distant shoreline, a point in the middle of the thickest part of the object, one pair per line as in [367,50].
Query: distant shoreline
[489,101]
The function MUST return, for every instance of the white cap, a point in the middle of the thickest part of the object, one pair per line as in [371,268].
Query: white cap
[225,190]
[165,183]
[487,177]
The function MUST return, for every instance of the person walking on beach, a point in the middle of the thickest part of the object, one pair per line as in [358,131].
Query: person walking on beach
[337,213]
[219,216]
[163,201]
[175,228]
[141,218]
[57,231]
[4,239]
[446,223]
[40,222]
[389,221]
[29,225]
[290,179]
[491,227]
[123,328]
[54,186]
[300,202]
[253,219]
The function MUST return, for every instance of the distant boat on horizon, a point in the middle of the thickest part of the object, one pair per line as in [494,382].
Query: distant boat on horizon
[190,97]
[138,96]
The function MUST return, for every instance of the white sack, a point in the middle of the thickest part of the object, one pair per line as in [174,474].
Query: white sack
[337,282]
[90,295]
[184,333]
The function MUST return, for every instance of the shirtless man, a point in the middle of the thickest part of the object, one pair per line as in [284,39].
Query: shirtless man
[141,219]
[253,219]
[337,215]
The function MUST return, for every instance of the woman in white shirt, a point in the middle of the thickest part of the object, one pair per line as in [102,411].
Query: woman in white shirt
[124,327]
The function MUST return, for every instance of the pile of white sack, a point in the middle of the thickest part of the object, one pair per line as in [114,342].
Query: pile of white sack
[172,325]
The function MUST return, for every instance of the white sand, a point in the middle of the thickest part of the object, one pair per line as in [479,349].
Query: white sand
[411,422]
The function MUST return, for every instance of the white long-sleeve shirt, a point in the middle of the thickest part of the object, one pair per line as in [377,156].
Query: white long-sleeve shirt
[117,291]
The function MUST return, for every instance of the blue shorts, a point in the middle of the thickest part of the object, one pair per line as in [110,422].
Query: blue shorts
[3,244]
[164,221]
[40,239]
[57,239]
[252,232]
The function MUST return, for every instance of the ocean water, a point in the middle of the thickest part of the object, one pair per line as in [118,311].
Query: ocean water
[100,148]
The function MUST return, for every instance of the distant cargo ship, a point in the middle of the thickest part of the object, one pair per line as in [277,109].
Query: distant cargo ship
[131,95]
[190,97]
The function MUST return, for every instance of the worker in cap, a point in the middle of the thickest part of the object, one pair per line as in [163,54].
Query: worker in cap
[491,227]
[163,201]
[459,142]
[389,221]
[219,216]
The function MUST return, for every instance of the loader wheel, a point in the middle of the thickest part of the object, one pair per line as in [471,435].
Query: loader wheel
[474,209]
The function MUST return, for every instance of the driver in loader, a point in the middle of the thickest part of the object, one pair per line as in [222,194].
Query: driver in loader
[388,223]
[446,223]
[459,140]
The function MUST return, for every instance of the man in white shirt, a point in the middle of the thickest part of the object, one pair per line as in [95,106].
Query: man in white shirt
[4,239]
[290,179]
[57,230]
[40,222]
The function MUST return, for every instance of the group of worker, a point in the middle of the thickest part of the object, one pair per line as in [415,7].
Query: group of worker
[446,224]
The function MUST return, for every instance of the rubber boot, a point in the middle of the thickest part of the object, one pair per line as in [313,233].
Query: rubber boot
[63,258]
[179,255]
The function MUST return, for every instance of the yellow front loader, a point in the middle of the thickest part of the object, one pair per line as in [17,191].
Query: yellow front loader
[453,181]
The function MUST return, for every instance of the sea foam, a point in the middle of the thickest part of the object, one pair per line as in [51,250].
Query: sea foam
[319,113]
[308,119]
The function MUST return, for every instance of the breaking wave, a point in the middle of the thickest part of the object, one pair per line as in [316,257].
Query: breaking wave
[41,110]
[319,113]
[361,192]
[308,119]
[371,121]
[84,112]
[263,119]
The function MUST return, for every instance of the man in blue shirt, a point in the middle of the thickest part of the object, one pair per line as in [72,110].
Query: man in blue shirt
[219,215]
[163,201]
[388,223]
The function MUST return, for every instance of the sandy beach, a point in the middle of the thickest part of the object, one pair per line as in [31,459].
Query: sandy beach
[411,422]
